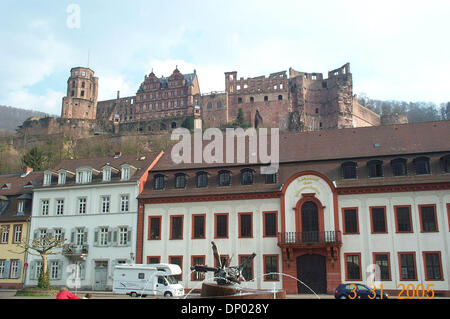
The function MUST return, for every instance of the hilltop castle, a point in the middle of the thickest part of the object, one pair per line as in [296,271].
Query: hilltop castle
[289,100]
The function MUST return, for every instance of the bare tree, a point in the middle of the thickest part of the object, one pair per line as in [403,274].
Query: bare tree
[43,246]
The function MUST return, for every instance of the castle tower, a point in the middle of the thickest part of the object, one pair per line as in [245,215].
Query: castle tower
[81,99]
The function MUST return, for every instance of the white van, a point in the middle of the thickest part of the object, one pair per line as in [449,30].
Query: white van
[147,279]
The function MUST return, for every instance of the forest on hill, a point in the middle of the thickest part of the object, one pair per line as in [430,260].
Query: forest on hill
[12,117]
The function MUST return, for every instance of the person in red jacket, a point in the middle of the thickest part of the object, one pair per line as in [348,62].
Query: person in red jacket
[66,294]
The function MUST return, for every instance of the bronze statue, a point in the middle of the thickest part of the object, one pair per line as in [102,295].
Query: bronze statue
[223,273]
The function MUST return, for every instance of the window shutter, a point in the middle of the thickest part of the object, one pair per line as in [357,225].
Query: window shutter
[63,235]
[129,237]
[85,237]
[32,270]
[50,233]
[7,267]
[115,239]
[72,236]
[35,235]
[96,237]
[109,237]
[60,269]
[83,270]
[19,262]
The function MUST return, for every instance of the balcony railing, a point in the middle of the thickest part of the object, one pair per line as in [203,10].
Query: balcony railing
[75,250]
[308,238]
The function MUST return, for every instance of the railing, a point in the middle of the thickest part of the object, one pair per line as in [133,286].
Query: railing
[75,250]
[311,237]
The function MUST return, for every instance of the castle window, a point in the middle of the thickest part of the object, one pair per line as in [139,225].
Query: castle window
[375,168]
[209,106]
[348,170]
[280,97]
[422,165]
[317,111]
[180,180]
[239,100]
[174,124]
[82,93]
[247,176]
[82,85]
[219,105]
[399,167]
[266,98]
[73,84]
[72,93]
[324,84]
[224,178]
[252,99]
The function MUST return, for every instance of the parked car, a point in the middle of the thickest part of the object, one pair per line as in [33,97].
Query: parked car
[358,291]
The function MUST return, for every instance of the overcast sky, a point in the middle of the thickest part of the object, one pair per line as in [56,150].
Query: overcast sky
[397,49]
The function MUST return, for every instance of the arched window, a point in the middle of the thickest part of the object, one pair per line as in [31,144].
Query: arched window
[159,182]
[399,167]
[247,176]
[375,168]
[224,178]
[280,97]
[422,165]
[209,106]
[180,180]
[445,163]
[349,170]
[202,179]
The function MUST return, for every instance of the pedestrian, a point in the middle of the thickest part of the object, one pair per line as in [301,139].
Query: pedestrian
[64,293]
[87,296]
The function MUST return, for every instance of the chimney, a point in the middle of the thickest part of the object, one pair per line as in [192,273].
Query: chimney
[118,94]
[117,154]
[27,170]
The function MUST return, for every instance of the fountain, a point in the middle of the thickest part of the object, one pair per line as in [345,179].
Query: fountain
[227,278]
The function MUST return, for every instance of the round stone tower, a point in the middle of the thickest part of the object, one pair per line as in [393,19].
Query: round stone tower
[81,99]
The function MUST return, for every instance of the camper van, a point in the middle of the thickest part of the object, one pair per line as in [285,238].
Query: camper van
[147,279]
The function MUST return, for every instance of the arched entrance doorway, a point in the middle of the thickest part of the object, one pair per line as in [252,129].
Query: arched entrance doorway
[311,269]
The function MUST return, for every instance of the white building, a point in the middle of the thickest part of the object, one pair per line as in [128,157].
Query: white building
[341,202]
[93,204]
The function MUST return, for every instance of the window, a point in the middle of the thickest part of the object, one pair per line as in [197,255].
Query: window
[198,226]
[180,180]
[153,259]
[209,106]
[154,231]
[20,206]
[106,174]
[106,204]
[270,224]
[280,97]
[197,260]
[202,179]
[42,233]
[245,225]
[271,267]
[60,207]
[422,165]
[399,167]
[58,234]
[125,173]
[445,163]
[82,93]
[5,234]
[247,271]
[239,100]
[44,207]
[221,225]
[82,205]
[54,270]
[15,268]
[270,178]
[2,268]
[403,219]
[219,104]
[124,203]
[433,267]
[375,168]
[159,182]
[252,99]
[84,176]
[80,236]
[176,227]
[428,218]
[17,234]
[62,177]
[378,218]
[123,236]
[38,269]
[47,178]
[382,261]
[349,170]
[350,220]
[246,176]
[407,263]
[353,266]
[103,236]
[224,178]
[177,260]
[266,98]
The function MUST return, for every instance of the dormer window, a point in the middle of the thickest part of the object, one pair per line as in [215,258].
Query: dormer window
[246,176]
[106,174]
[20,206]
[422,165]
[224,178]
[125,175]
[202,179]
[349,170]
[47,178]
[159,182]
[84,176]
[180,180]
[375,168]
[62,177]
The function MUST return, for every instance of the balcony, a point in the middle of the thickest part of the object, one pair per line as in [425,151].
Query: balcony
[75,251]
[309,239]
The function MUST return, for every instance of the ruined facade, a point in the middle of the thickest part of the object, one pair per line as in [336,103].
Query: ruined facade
[289,100]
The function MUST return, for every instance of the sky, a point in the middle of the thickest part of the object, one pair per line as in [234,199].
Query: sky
[397,50]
